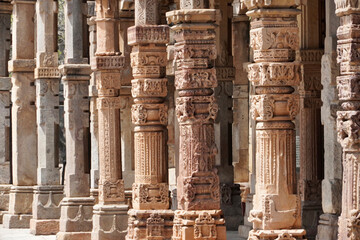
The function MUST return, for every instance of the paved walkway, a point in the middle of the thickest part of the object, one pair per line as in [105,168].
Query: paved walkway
[24,234]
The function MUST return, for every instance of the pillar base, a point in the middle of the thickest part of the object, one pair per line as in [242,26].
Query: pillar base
[244,231]
[20,207]
[328,227]
[150,224]
[16,220]
[94,193]
[206,224]
[46,210]
[110,222]
[76,218]
[310,217]
[285,234]
[4,200]
[44,226]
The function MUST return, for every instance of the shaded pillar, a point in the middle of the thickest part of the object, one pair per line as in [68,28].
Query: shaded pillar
[150,199]
[274,37]
[5,107]
[331,185]
[110,214]
[77,205]
[24,135]
[198,214]
[348,118]
[49,192]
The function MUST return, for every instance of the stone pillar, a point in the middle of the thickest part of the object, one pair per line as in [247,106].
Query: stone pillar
[94,131]
[48,193]
[150,199]
[77,205]
[5,105]
[240,131]
[331,185]
[110,214]
[24,136]
[348,118]
[274,37]
[311,140]
[198,214]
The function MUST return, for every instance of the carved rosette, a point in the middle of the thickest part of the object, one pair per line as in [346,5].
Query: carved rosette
[149,112]
[348,119]
[274,37]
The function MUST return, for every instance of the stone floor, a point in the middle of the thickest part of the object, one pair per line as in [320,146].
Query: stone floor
[24,234]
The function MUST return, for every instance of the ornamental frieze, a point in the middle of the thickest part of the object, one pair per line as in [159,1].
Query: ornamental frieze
[108,62]
[199,35]
[113,191]
[149,114]
[195,51]
[348,53]
[348,127]
[196,108]
[148,58]
[149,87]
[195,78]
[148,34]
[349,87]
[274,107]
[275,74]
[274,38]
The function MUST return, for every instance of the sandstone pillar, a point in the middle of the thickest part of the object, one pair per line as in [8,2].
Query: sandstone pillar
[348,118]
[5,105]
[150,116]
[110,214]
[331,185]
[24,136]
[77,205]
[48,193]
[94,131]
[240,131]
[274,37]
[198,214]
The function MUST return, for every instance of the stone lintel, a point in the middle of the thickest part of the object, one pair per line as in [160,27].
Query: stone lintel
[277,4]
[5,84]
[44,226]
[22,65]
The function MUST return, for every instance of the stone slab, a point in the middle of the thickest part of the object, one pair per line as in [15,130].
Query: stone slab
[73,236]
[16,220]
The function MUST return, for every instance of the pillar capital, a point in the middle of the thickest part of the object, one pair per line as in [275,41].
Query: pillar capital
[346,7]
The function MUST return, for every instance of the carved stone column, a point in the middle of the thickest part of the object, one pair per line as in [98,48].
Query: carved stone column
[348,119]
[24,136]
[5,106]
[48,193]
[198,214]
[149,115]
[77,205]
[110,214]
[274,37]
[331,185]
[94,131]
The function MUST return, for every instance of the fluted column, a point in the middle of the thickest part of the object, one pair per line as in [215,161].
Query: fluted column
[110,214]
[77,205]
[198,213]
[24,136]
[348,118]
[274,37]
[5,107]
[150,116]
[48,193]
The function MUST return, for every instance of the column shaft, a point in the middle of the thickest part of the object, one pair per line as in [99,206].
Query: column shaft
[274,37]
[24,136]
[5,107]
[348,118]
[48,192]
[110,214]
[198,192]
[77,205]
[150,117]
